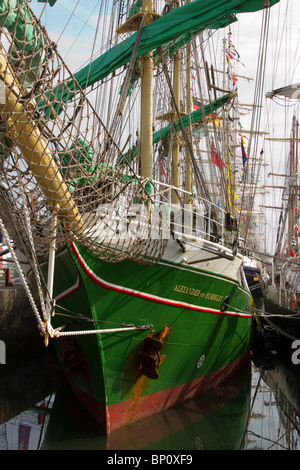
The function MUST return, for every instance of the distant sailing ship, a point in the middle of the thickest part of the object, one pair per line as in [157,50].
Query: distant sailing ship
[129,239]
[281,291]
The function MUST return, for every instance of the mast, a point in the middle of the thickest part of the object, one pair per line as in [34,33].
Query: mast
[176,144]
[146,102]
[287,221]
[293,185]
[188,166]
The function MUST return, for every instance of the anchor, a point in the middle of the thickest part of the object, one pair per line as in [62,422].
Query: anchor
[149,358]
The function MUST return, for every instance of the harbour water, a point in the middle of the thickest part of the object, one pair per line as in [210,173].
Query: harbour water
[257,410]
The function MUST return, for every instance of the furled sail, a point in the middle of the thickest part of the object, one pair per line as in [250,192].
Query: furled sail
[187,120]
[290,91]
[187,20]
[18,21]
[194,16]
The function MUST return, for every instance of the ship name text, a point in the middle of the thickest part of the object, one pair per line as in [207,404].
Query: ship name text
[197,293]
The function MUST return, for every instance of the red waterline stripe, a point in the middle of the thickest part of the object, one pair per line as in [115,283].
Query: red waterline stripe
[134,410]
[122,414]
[143,295]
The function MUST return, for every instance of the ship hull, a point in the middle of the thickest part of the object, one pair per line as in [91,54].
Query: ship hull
[282,318]
[199,335]
[252,276]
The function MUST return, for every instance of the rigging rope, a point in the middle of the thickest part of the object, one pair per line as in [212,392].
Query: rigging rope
[22,276]
[69,159]
[256,116]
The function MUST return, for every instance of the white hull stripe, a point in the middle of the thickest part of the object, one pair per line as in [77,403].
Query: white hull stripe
[142,295]
[69,291]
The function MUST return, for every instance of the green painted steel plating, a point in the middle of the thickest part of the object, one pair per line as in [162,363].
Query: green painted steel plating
[184,305]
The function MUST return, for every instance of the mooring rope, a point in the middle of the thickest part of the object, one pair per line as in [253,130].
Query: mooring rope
[22,276]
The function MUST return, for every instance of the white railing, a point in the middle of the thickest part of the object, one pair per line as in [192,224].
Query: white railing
[199,217]
[162,219]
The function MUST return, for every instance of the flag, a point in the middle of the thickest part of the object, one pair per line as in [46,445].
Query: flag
[230,190]
[292,253]
[233,51]
[244,155]
[216,121]
[216,157]
[162,170]
[233,54]
[196,104]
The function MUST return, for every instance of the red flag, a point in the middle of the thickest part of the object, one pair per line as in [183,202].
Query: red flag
[196,104]
[216,157]
[244,155]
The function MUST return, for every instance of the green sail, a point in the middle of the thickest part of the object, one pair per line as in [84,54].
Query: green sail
[26,39]
[192,118]
[85,155]
[188,19]
[50,2]
[197,15]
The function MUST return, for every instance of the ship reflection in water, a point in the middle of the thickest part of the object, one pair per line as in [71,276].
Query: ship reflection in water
[38,411]
[275,417]
[217,420]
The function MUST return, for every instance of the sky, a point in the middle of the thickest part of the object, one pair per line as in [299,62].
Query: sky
[282,67]
[74,38]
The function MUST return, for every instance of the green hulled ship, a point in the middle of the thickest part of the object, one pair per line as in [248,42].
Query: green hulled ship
[130,249]
[159,343]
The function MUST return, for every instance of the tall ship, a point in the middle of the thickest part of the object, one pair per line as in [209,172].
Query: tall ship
[281,290]
[280,280]
[122,226]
